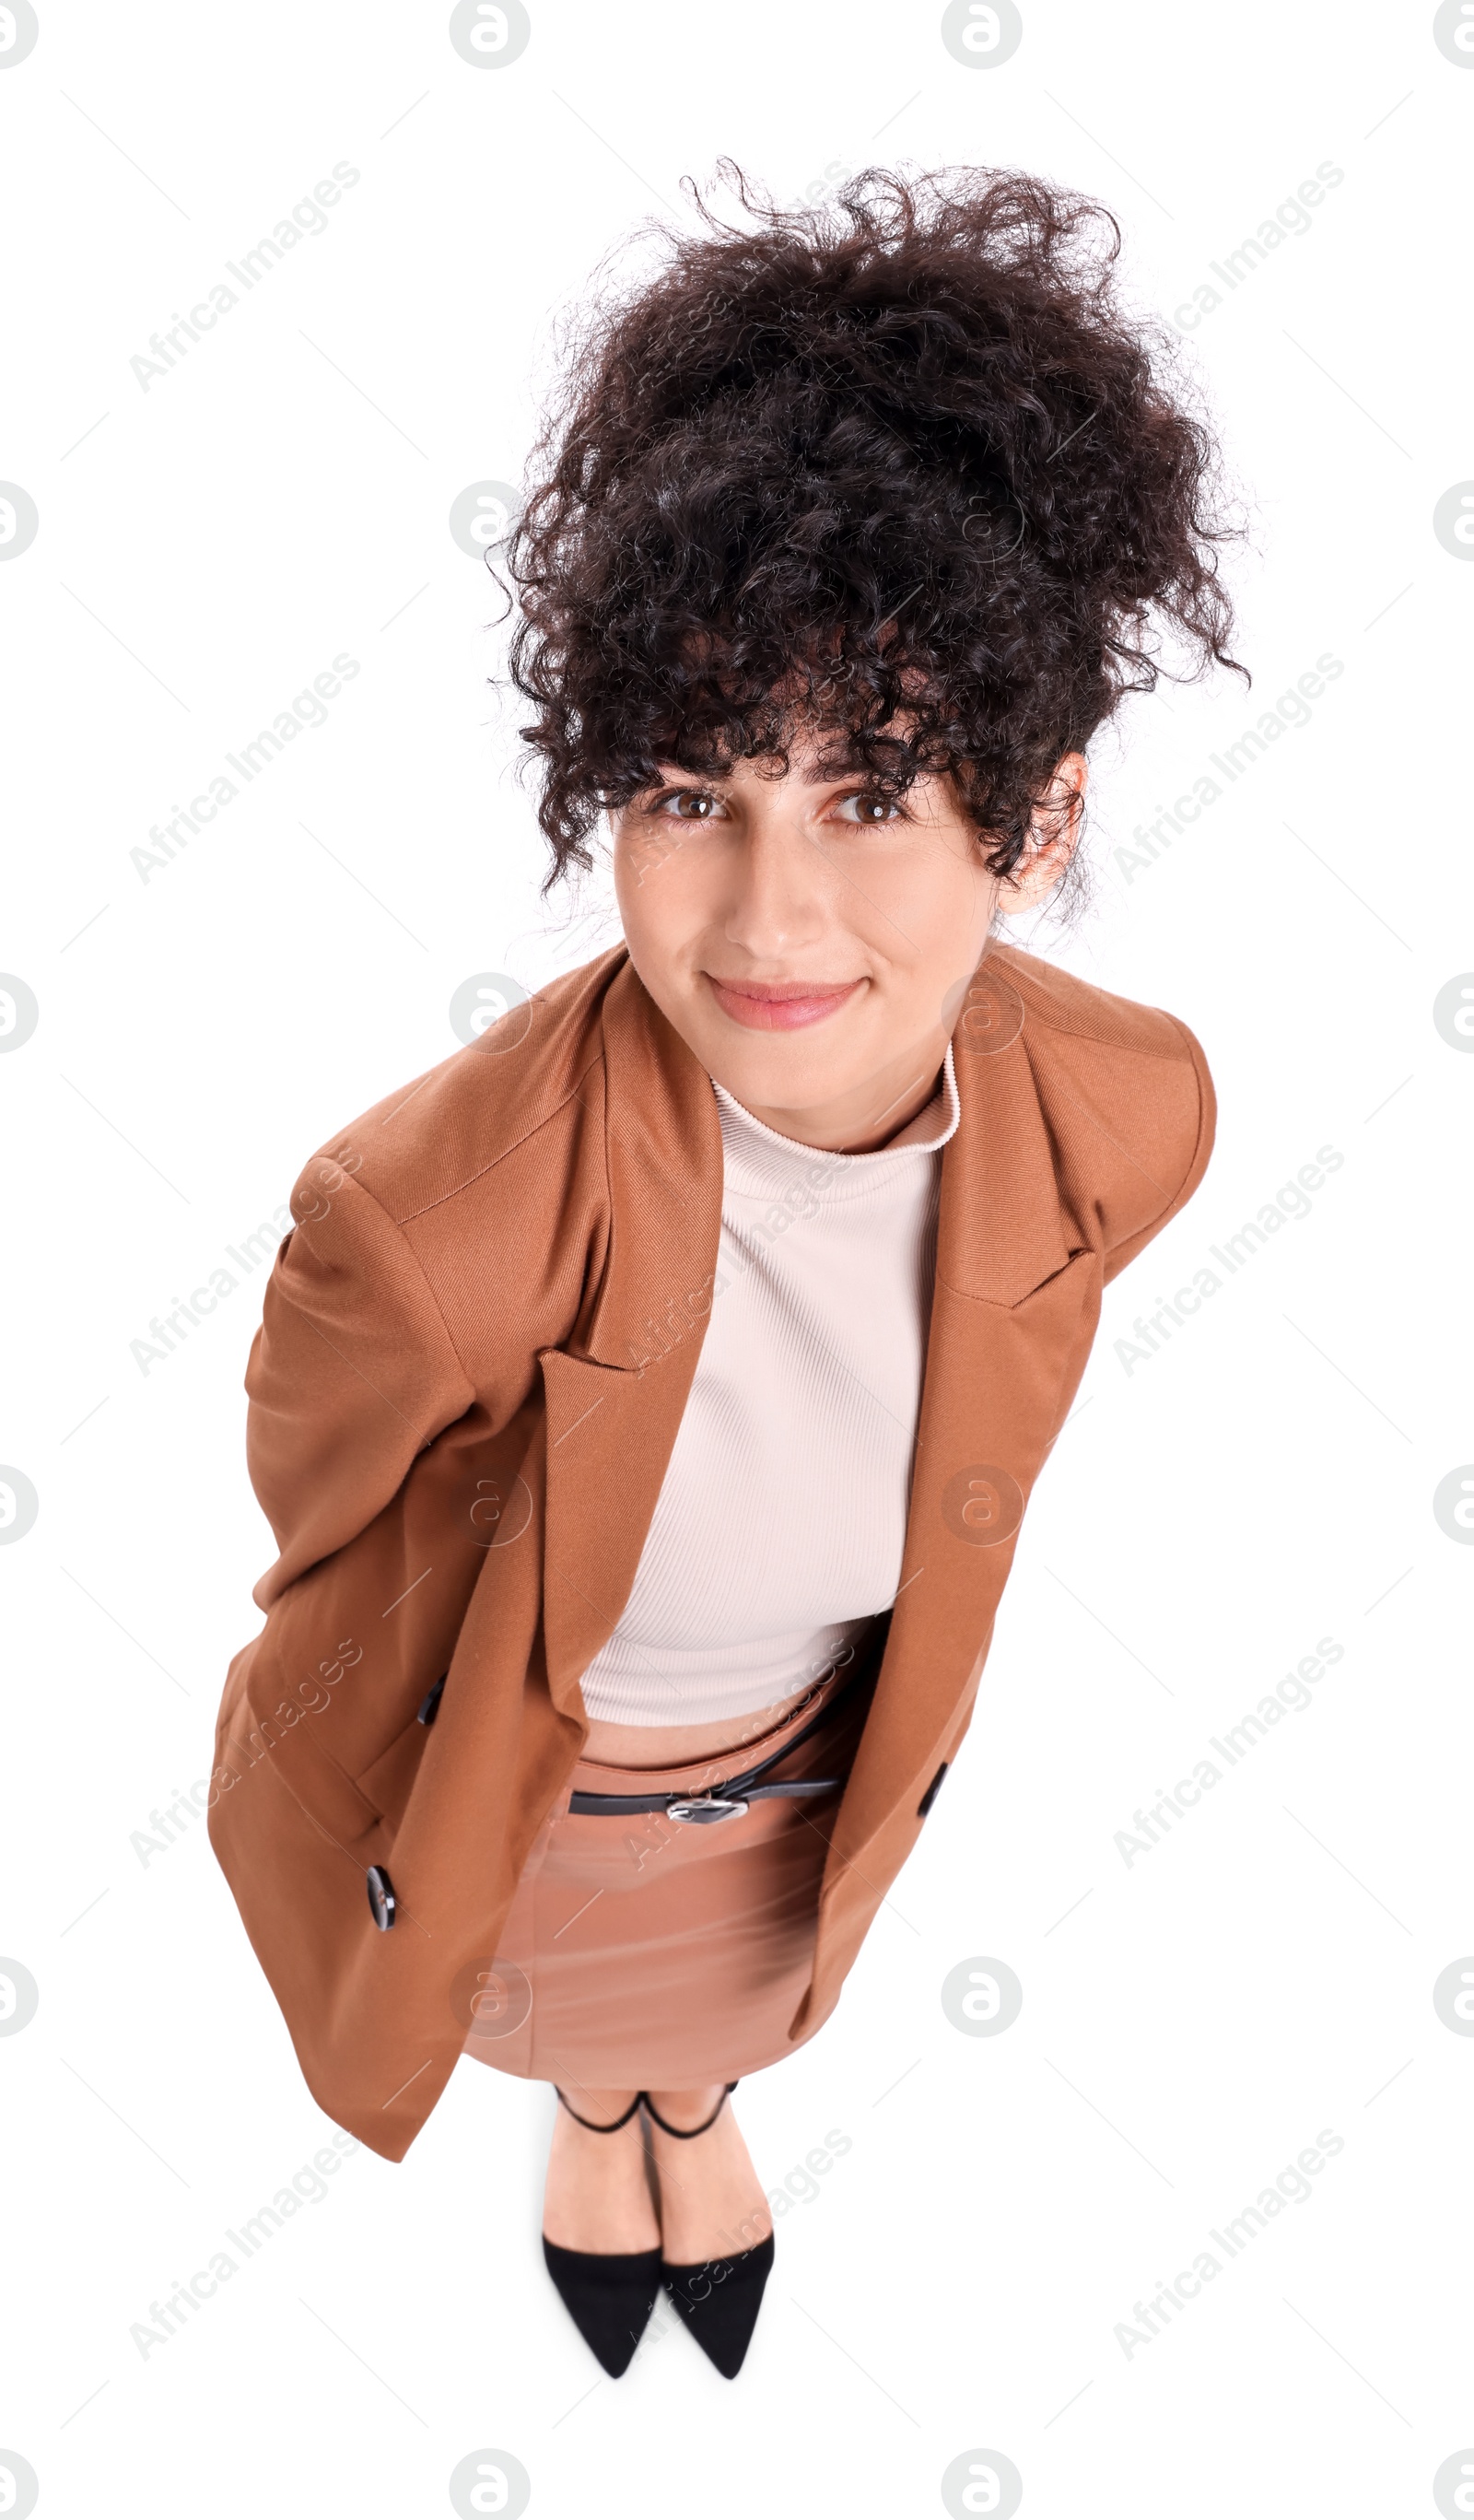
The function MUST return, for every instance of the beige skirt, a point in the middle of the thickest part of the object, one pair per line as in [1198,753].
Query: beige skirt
[647,1952]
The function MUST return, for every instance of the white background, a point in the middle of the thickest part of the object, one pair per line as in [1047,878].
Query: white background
[1191,2021]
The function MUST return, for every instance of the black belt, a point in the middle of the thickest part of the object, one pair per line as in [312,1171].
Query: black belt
[727,1800]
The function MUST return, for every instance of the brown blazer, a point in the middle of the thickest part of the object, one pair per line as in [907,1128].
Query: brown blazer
[477,1344]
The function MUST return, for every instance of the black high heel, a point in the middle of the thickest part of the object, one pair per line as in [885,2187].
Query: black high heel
[608,2295]
[720,2299]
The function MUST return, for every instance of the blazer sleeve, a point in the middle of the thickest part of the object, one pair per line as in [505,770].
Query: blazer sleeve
[1195,1146]
[351,1375]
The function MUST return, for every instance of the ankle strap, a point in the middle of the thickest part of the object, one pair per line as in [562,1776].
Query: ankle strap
[685,2133]
[614,2125]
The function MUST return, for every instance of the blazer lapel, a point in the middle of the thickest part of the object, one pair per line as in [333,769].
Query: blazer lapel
[615,1411]
[1013,1314]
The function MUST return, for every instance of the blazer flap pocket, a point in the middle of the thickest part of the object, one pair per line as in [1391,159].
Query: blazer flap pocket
[326,1793]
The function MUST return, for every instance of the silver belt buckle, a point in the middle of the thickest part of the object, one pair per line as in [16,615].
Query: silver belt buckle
[704,1808]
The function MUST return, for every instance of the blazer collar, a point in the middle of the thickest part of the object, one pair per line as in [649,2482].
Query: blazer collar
[1001,1231]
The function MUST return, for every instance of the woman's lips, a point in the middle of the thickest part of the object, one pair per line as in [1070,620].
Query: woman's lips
[779,1006]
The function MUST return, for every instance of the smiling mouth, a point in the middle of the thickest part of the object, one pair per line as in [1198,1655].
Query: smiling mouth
[779,1006]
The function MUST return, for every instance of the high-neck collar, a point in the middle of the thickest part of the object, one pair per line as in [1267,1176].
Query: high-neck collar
[758,1161]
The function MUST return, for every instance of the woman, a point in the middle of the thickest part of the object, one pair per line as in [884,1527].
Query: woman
[648,1399]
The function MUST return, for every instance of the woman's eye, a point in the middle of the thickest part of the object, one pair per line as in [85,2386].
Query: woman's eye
[871,809]
[689,805]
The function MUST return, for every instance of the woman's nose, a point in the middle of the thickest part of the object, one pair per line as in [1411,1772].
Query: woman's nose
[778,885]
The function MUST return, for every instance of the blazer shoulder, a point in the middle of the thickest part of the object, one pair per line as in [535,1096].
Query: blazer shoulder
[538,1064]
[1130,1099]
[1067,1004]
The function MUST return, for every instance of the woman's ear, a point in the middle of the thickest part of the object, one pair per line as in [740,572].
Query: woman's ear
[1058,817]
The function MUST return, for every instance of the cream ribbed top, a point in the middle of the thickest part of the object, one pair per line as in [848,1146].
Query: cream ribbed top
[778,1530]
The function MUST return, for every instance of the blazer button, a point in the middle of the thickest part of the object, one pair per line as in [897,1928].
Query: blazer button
[382,1904]
[932,1790]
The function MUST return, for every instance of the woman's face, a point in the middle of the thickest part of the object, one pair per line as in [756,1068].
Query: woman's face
[811,941]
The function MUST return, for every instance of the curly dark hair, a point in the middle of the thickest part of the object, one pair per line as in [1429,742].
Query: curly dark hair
[899,467]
